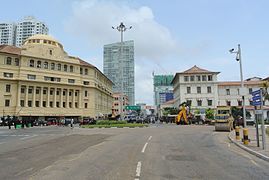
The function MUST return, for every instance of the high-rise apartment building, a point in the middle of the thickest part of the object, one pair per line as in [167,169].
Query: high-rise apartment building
[163,89]
[7,33]
[28,27]
[112,67]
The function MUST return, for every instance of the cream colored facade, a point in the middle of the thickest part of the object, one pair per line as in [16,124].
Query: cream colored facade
[116,106]
[41,80]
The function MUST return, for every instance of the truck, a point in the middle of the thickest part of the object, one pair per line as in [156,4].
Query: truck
[224,119]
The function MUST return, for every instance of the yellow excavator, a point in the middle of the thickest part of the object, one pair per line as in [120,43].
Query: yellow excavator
[182,115]
[224,119]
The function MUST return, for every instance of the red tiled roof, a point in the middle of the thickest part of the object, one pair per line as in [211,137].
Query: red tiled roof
[238,83]
[10,49]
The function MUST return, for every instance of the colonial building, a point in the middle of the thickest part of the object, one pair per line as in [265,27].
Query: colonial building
[41,81]
[116,106]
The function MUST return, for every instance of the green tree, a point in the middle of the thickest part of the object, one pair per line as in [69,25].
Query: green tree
[209,113]
[236,112]
[265,86]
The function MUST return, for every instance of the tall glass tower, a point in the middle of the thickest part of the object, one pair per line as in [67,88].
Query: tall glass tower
[111,67]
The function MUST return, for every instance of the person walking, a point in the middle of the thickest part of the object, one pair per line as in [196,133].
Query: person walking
[9,122]
[72,123]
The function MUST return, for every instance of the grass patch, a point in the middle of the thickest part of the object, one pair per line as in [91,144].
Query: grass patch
[114,125]
[108,122]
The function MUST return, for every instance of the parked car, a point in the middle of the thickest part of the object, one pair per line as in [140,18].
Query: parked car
[87,121]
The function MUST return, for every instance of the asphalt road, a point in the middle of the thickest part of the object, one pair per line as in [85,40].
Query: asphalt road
[157,152]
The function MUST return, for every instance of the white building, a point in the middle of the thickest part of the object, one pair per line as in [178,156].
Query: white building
[197,86]
[7,33]
[28,27]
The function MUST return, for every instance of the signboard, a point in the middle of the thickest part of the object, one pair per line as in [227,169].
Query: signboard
[135,108]
[256,98]
[258,111]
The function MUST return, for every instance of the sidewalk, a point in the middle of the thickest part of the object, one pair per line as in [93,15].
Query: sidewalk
[252,146]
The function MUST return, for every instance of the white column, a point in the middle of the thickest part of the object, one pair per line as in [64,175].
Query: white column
[67,98]
[34,96]
[41,96]
[54,99]
[26,96]
[80,99]
[61,97]
[73,100]
[19,95]
[48,97]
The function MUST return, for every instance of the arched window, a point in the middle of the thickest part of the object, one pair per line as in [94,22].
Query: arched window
[17,61]
[9,60]
[59,67]
[38,64]
[86,71]
[52,66]
[65,67]
[81,71]
[71,69]
[46,65]
[32,63]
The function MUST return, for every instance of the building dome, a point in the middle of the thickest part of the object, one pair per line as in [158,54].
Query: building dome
[43,39]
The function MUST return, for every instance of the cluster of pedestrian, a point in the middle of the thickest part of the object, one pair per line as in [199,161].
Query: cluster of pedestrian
[15,122]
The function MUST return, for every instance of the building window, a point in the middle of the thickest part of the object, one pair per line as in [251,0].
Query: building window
[30,91]
[209,102]
[37,91]
[199,90]
[86,72]
[204,78]
[57,104]
[64,92]
[52,66]
[227,91]
[81,71]
[44,103]
[65,68]
[240,103]
[17,61]
[22,103]
[64,104]
[186,78]
[76,105]
[198,78]
[76,93]
[192,78]
[46,65]
[188,90]
[71,80]
[32,63]
[9,61]
[51,92]
[189,102]
[8,75]
[228,103]
[86,93]
[86,105]
[57,93]
[7,102]
[70,105]
[51,104]
[71,69]
[29,103]
[22,90]
[50,52]
[209,89]
[199,102]
[38,64]
[86,82]
[37,104]
[31,77]
[44,91]
[70,93]
[210,78]
[250,90]
[8,87]
[59,67]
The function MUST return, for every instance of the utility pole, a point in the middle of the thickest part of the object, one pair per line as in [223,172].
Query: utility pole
[121,28]
[239,58]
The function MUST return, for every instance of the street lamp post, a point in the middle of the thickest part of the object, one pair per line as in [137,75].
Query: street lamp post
[239,58]
[121,28]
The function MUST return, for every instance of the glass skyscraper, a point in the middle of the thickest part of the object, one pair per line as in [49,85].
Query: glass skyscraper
[112,67]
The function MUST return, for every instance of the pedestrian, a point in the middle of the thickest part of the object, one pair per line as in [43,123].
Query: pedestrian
[72,123]
[15,122]
[9,122]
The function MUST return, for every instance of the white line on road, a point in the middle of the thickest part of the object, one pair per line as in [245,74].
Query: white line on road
[28,137]
[144,148]
[138,169]
[150,138]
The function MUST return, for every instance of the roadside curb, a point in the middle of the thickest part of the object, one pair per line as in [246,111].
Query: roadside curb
[114,127]
[255,153]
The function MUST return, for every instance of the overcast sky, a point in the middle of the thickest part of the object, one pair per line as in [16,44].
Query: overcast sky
[170,36]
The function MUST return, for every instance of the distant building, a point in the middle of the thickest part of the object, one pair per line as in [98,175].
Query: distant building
[112,67]
[7,33]
[116,105]
[163,89]
[28,27]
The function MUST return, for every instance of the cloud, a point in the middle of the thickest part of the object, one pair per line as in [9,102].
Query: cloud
[92,20]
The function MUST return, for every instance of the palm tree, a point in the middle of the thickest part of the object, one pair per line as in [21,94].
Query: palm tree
[265,86]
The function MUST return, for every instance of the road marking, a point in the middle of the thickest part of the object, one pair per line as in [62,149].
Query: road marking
[150,138]
[28,137]
[144,148]
[255,163]
[138,169]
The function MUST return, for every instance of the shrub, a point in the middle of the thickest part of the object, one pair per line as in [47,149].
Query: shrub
[108,122]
